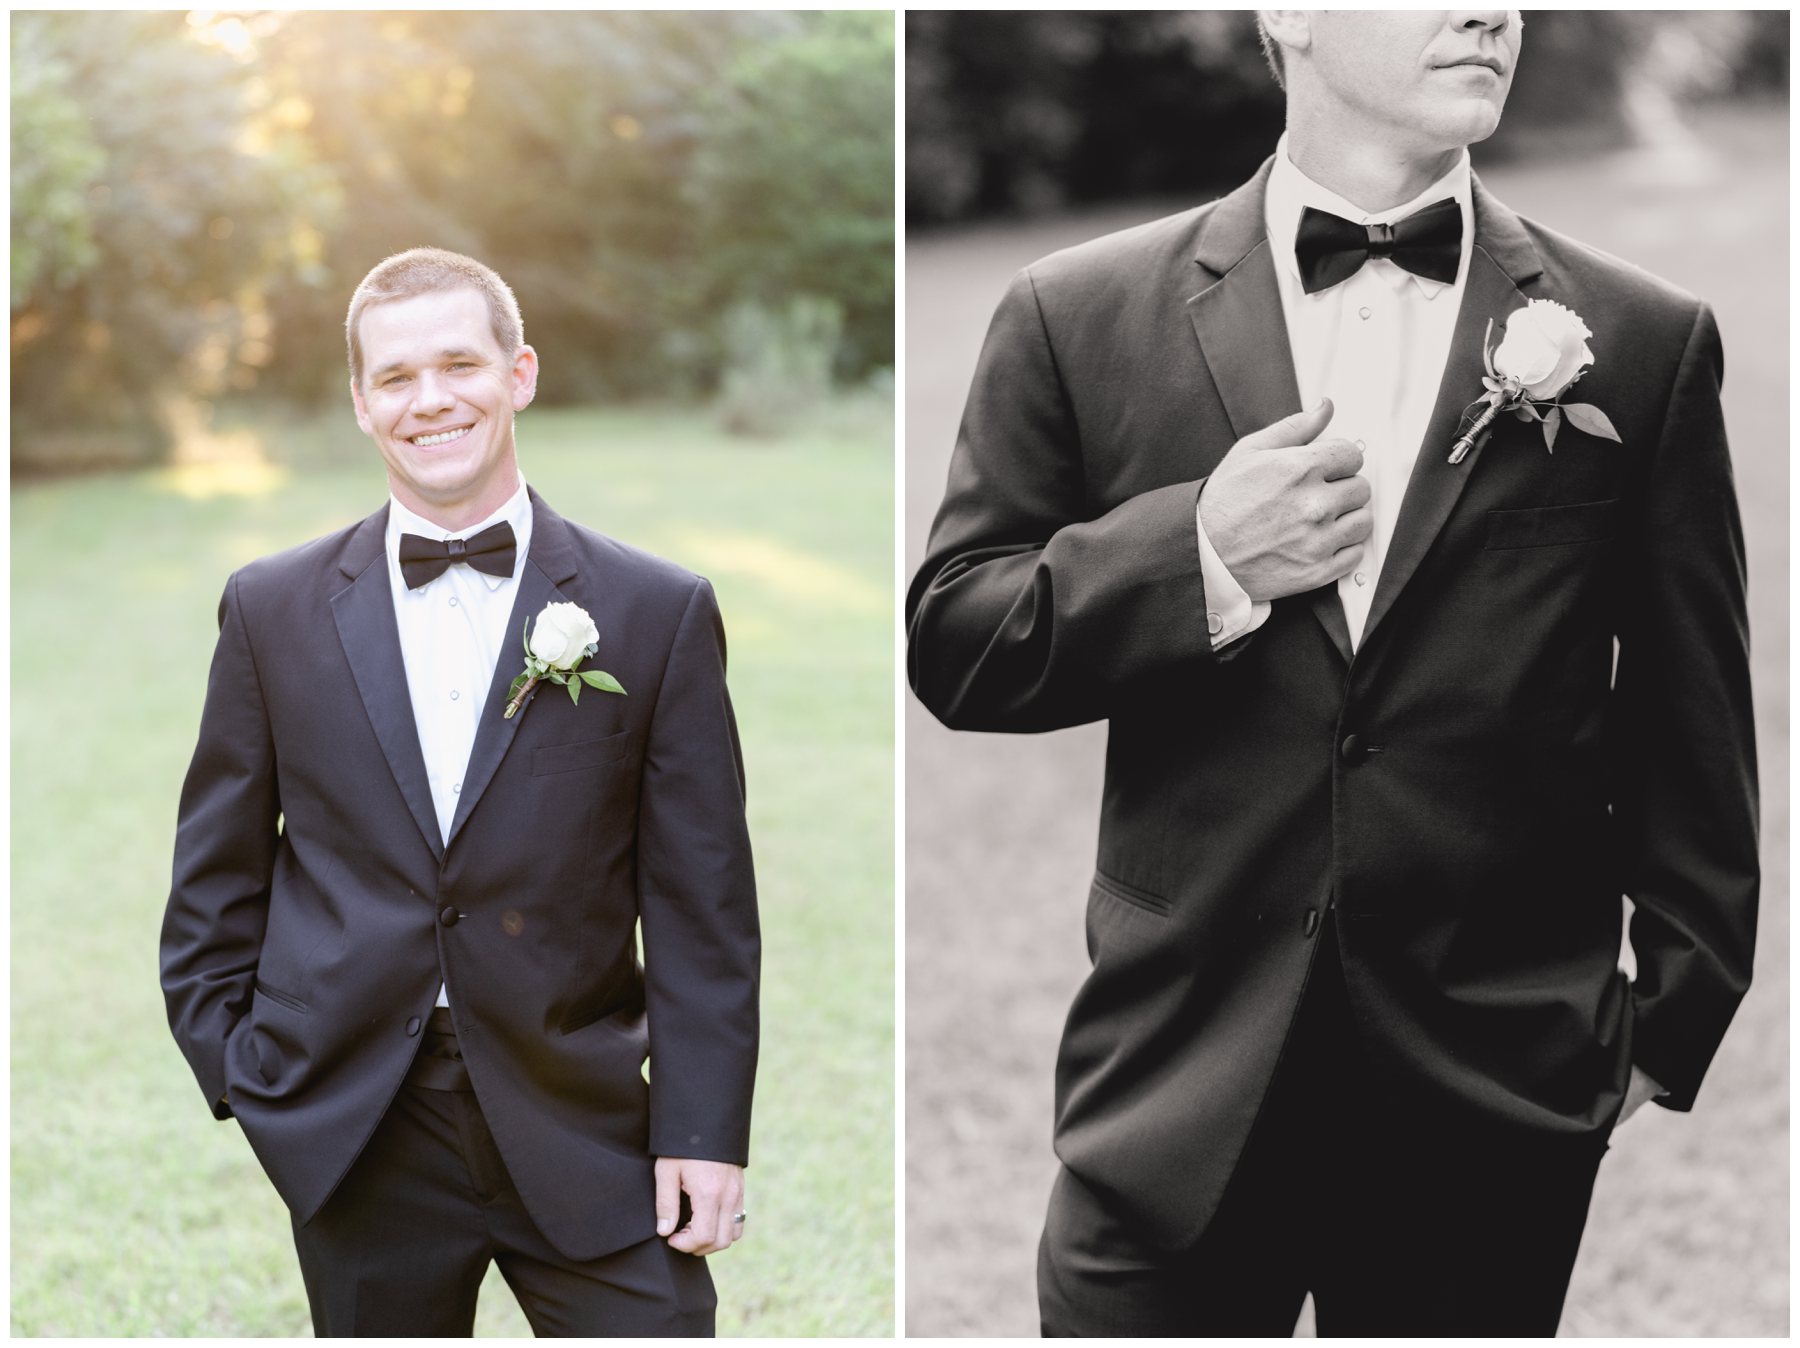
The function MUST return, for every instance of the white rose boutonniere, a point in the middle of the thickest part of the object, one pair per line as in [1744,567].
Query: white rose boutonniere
[564,636]
[1543,350]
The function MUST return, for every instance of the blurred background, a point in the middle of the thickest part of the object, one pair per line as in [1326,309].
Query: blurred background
[1660,137]
[696,212]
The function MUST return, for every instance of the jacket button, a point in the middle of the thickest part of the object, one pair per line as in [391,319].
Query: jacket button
[1312,921]
[1351,750]
[412,1027]
[447,916]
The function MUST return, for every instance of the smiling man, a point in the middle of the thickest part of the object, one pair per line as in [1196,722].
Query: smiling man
[401,942]
[1355,1025]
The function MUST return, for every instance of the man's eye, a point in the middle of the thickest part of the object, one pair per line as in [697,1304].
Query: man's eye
[463,365]
[394,380]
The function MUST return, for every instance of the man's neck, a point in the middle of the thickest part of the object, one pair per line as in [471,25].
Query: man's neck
[456,516]
[1375,177]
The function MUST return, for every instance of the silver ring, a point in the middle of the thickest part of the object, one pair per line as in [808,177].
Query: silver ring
[739,1219]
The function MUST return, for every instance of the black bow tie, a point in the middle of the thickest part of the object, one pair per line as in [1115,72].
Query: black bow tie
[423,560]
[1427,243]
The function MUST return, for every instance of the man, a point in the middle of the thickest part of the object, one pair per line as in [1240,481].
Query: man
[400,944]
[1355,1025]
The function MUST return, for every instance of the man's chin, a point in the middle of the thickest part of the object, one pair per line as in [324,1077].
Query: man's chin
[1472,121]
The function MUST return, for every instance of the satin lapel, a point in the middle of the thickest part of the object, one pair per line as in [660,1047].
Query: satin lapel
[1244,339]
[364,613]
[1502,259]
[551,560]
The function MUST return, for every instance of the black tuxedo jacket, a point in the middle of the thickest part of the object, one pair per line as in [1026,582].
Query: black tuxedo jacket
[315,906]
[1466,796]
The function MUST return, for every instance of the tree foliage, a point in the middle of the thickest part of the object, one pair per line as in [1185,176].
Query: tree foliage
[196,196]
[1020,111]
[793,181]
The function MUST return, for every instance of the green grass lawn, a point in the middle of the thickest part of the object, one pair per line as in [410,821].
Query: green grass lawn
[134,1213]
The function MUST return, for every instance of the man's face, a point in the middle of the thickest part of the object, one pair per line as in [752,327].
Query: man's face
[438,395]
[1427,80]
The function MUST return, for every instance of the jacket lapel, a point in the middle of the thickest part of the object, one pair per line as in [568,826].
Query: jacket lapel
[1244,339]
[364,613]
[1502,259]
[550,563]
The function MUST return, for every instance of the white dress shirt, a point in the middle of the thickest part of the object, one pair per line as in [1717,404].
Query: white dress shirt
[1376,346]
[453,630]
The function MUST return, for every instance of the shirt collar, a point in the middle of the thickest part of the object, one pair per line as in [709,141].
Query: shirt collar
[1290,191]
[516,512]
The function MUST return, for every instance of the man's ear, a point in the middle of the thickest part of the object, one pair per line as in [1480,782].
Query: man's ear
[362,408]
[525,377]
[1290,27]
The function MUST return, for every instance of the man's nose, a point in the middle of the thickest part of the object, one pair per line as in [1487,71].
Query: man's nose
[431,394]
[1496,21]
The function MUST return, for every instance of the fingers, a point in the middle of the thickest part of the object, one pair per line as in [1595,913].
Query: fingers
[668,1196]
[1335,459]
[715,1193]
[1342,563]
[1354,493]
[1300,428]
[1352,527]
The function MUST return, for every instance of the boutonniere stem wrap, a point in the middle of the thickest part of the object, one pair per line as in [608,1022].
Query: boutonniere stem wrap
[563,637]
[1543,350]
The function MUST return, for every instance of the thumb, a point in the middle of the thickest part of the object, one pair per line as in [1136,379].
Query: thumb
[1299,428]
[668,1196]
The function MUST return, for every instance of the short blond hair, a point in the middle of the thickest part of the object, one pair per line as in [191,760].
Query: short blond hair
[426,271]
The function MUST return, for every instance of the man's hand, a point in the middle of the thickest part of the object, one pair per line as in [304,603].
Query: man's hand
[1284,514]
[1643,1088]
[715,1191]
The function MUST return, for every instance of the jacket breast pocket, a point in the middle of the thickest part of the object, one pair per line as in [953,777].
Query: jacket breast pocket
[579,754]
[1551,526]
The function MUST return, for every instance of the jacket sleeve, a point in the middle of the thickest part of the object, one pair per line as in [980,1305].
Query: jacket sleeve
[225,840]
[697,902]
[1680,740]
[1030,612]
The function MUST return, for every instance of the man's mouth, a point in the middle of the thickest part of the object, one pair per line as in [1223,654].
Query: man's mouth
[438,437]
[1480,62]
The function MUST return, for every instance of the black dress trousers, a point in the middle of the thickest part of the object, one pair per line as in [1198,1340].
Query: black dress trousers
[402,1246]
[1400,1216]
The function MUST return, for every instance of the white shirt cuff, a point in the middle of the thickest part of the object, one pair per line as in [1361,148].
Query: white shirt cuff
[1230,613]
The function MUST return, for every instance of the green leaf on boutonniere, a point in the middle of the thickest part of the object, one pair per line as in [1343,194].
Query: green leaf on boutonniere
[1552,423]
[1587,417]
[605,682]
[574,686]
[517,684]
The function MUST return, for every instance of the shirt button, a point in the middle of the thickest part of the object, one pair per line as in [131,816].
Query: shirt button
[1361,445]
[452,601]
[454,694]
[457,788]
[1361,579]
[1363,312]
[1214,624]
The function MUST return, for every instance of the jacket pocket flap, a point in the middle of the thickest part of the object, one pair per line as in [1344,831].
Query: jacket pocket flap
[279,997]
[1542,526]
[1137,898]
[580,754]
